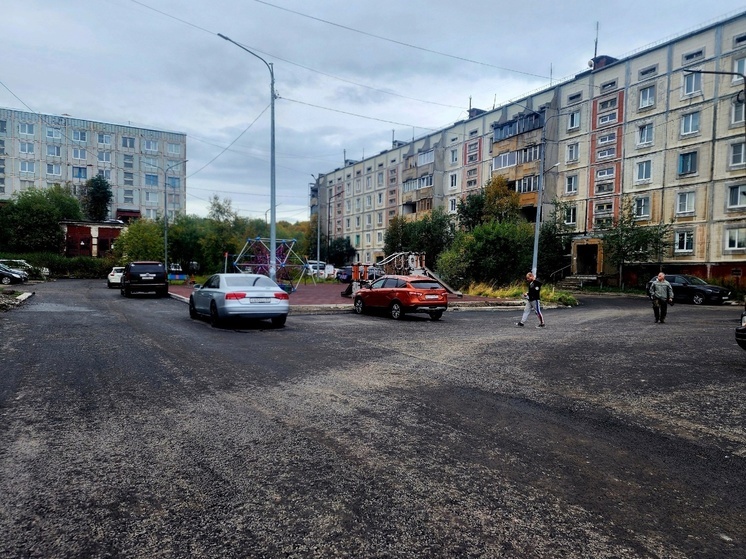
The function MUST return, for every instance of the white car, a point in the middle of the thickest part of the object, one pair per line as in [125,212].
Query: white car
[114,279]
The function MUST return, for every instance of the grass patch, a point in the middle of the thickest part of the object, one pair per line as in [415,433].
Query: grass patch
[515,290]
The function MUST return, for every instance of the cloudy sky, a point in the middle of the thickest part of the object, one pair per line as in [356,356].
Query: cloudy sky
[349,74]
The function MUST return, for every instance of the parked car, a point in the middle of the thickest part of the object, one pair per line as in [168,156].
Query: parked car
[249,296]
[316,268]
[688,288]
[399,295]
[144,277]
[24,266]
[344,274]
[741,331]
[114,279]
[8,275]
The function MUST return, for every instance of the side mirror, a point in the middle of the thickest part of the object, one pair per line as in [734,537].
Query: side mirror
[197,286]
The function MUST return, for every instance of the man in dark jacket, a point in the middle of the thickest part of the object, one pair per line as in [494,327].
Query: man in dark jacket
[661,293]
[533,300]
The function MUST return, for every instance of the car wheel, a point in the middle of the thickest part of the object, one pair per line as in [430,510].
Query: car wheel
[435,315]
[192,311]
[214,316]
[698,299]
[396,311]
[279,321]
[359,306]
[5,280]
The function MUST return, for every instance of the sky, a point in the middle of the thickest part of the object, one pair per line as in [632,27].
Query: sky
[349,75]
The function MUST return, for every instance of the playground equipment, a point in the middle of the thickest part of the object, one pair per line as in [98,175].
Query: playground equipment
[254,258]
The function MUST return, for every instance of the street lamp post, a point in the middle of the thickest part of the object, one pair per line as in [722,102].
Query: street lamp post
[165,211]
[273,217]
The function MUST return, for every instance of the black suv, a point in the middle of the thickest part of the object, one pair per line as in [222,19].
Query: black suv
[144,276]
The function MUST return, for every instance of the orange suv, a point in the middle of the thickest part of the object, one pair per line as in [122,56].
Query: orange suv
[399,295]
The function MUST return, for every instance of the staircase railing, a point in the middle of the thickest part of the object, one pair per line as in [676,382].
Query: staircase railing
[560,271]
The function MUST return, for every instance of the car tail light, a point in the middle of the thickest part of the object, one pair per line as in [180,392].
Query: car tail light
[234,296]
[282,296]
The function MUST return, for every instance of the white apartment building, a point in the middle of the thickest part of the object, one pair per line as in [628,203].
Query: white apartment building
[38,150]
[644,127]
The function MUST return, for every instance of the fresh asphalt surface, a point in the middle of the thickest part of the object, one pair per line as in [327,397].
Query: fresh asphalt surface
[129,430]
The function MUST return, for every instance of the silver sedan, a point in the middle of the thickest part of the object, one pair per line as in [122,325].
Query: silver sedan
[251,296]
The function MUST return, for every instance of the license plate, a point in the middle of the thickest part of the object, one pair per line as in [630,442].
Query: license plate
[725,298]
[432,296]
[259,299]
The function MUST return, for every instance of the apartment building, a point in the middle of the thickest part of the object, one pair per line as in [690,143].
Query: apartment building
[39,150]
[664,128]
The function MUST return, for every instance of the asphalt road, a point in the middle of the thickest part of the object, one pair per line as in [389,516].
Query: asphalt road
[129,430]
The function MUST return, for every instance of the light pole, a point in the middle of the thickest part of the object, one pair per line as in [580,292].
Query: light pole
[165,211]
[273,217]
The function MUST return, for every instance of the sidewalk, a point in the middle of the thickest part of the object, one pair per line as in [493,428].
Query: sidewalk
[327,297]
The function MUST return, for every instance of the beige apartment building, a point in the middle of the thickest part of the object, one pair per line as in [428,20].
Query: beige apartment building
[663,128]
[38,151]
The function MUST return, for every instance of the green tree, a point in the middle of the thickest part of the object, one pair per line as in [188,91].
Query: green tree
[97,198]
[501,202]
[31,221]
[554,240]
[470,211]
[397,236]
[340,252]
[142,240]
[432,235]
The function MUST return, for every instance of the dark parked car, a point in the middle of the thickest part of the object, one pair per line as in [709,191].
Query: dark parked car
[688,288]
[741,332]
[8,275]
[144,277]
[403,294]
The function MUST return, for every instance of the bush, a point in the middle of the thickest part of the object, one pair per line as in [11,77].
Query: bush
[59,266]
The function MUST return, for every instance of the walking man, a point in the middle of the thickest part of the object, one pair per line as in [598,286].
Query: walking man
[533,300]
[661,293]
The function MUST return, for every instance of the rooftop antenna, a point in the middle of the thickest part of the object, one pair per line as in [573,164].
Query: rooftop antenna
[595,46]
[494,102]
[550,75]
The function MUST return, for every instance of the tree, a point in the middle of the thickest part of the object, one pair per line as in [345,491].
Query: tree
[142,240]
[396,238]
[501,203]
[470,211]
[432,235]
[340,252]
[97,198]
[554,240]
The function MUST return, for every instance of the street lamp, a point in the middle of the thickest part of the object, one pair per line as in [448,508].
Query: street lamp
[273,217]
[165,210]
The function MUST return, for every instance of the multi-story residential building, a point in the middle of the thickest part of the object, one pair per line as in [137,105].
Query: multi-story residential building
[664,129]
[38,150]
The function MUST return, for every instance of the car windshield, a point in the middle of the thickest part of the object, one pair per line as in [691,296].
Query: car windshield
[426,284]
[242,280]
[694,280]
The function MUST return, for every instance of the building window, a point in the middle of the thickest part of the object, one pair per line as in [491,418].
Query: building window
[644,171]
[26,147]
[105,174]
[737,154]
[54,151]
[27,167]
[379,237]
[129,179]
[685,202]
[80,135]
[606,105]
[104,139]
[571,215]
[692,83]
[688,163]
[128,142]
[607,118]
[129,161]
[684,241]
[79,153]
[573,152]
[379,199]
[379,218]
[737,112]
[693,56]
[426,157]
[453,180]
[503,160]
[54,169]
[357,221]
[454,156]
[530,154]
[604,187]
[151,197]
[527,184]
[605,173]
[452,205]
[690,123]
[571,184]
[606,153]
[174,182]
[3,126]
[647,96]
[379,178]
[574,98]
[104,156]
[737,196]
[368,201]
[26,129]
[642,207]
[151,145]
[174,149]
[607,138]
[129,197]
[645,134]
[80,173]
[573,120]
[151,180]
[54,133]
[736,239]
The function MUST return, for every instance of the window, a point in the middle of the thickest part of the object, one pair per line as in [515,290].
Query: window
[174,182]
[692,83]
[453,178]
[80,135]
[574,98]
[426,157]
[54,151]
[174,149]
[79,153]
[149,163]
[26,129]
[26,147]
[151,145]
[26,184]
[736,239]
[472,158]
[690,123]
[606,105]
[452,205]
[685,202]
[688,163]
[129,179]
[54,169]
[368,183]
[129,196]
[608,86]
[3,127]
[527,184]
[473,133]
[606,153]
[507,159]
[151,197]
[379,178]
[737,154]
[105,174]
[604,187]
[645,134]
[647,97]
[368,201]
[607,138]
[571,215]
[737,112]
[104,156]
[607,118]
[642,207]
[368,220]
[379,218]
[379,199]
[604,208]
[80,173]
[571,184]
[54,133]
[129,161]
[737,196]
[684,241]
[151,180]
[573,120]
[104,139]
[357,221]
[454,156]
[605,173]
[573,152]
[128,142]
[530,154]
[644,171]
